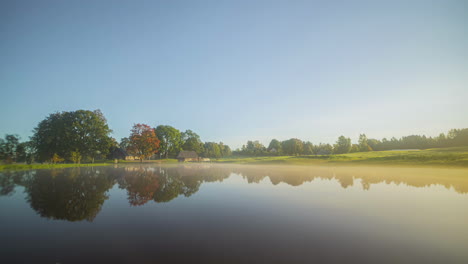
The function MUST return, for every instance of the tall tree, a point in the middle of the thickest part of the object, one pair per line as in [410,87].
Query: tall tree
[225,150]
[143,141]
[275,147]
[61,133]
[375,144]
[323,149]
[124,143]
[171,140]
[343,145]
[458,137]
[308,148]
[25,152]
[93,132]
[355,148]
[363,145]
[9,147]
[253,148]
[191,141]
[292,146]
[212,150]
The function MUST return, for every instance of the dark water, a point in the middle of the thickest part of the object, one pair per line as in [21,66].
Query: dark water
[234,214]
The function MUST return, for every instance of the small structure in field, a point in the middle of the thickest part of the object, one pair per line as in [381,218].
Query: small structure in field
[185,155]
[128,157]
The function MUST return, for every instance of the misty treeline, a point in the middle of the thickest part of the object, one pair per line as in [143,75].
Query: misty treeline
[84,136]
[294,146]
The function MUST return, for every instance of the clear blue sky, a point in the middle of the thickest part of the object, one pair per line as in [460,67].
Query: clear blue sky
[239,70]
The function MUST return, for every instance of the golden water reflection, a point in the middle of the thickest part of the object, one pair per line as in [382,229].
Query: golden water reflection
[78,194]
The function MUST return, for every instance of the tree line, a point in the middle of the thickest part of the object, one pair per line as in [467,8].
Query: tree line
[166,141]
[294,146]
[83,136]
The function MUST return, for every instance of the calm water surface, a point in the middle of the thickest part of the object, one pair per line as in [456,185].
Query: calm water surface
[234,214]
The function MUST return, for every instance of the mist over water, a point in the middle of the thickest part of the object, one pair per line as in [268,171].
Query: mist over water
[234,213]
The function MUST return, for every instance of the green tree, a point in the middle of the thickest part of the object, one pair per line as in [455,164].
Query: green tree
[308,148]
[375,144]
[9,148]
[171,140]
[292,146]
[75,156]
[93,131]
[355,148]
[275,147]
[224,150]
[253,148]
[323,149]
[191,141]
[458,137]
[56,159]
[227,151]
[25,152]
[82,130]
[124,143]
[363,144]
[212,150]
[343,145]
[441,140]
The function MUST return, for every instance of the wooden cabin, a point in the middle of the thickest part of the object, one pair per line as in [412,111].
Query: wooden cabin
[185,155]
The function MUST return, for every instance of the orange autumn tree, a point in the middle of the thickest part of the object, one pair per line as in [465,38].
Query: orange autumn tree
[143,141]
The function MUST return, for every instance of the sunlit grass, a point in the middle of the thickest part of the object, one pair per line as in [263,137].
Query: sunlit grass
[71,165]
[47,166]
[149,161]
[435,157]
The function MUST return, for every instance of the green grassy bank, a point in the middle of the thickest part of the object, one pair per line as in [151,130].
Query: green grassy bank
[453,157]
[68,165]
[448,157]
[47,166]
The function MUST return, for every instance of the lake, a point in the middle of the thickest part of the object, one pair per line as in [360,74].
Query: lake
[208,213]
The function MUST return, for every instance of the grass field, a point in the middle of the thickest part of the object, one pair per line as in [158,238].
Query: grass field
[47,166]
[67,165]
[165,161]
[429,157]
[449,157]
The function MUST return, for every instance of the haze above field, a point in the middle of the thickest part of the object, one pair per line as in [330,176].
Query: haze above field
[236,70]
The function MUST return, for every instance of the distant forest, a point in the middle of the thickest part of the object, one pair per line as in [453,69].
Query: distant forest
[294,146]
[84,136]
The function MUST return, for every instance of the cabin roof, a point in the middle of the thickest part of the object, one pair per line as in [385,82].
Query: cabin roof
[187,154]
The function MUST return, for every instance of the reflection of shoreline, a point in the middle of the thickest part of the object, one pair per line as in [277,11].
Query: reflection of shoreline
[457,179]
[78,194]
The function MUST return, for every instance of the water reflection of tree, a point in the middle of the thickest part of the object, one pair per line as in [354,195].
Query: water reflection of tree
[7,184]
[70,194]
[10,179]
[79,193]
[346,176]
[186,181]
[163,184]
[141,185]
